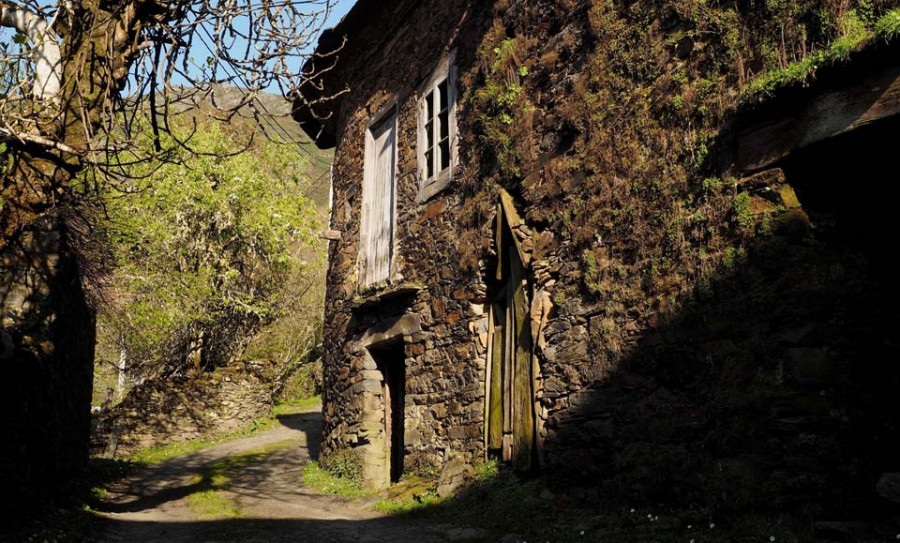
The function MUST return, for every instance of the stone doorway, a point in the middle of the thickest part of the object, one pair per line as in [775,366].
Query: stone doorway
[390,360]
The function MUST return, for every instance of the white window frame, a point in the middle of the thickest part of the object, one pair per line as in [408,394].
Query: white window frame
[431,185]
[369,163]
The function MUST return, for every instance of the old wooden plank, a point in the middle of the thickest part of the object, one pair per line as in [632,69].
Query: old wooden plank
[488,371]
[827,114]
[498,239]
[523,399]
[541,306]
[509,350]
[495,437]
[514,221]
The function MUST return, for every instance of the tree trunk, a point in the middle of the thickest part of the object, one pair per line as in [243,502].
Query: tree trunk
[47,333]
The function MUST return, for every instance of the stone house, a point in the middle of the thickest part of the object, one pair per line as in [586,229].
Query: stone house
[546,255]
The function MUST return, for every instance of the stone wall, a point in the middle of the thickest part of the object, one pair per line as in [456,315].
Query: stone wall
[47,352]
[430,307]
[707,336]
[159,412]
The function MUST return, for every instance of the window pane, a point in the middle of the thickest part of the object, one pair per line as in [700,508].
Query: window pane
[429,135]
[444,120]
[429,100]
[445,154]
[429,163]
[444,97]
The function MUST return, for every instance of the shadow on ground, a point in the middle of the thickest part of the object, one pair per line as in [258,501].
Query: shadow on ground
[311,425]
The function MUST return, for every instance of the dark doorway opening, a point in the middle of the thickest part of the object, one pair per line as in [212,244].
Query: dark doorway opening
[391,361]
[845,184]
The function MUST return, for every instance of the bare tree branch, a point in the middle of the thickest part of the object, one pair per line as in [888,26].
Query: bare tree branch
[45,47]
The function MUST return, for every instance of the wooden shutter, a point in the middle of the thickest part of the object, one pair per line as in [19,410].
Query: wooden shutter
[377,227]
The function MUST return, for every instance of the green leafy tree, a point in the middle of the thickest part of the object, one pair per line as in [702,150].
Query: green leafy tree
[206,243]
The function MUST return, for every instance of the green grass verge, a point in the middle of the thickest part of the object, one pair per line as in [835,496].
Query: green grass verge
[300,405]
[213,504]
[155,455]
[317,478]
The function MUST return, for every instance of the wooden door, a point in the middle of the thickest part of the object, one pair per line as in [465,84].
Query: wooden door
[510,419]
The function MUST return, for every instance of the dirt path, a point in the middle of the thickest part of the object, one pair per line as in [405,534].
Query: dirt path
[266,492]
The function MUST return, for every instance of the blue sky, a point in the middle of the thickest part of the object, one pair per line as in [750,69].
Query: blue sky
[340,9]
[199,51]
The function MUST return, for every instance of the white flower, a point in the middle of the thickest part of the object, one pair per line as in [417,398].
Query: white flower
[582,533]
[771,538]
[689,526]
[712,525]
[632,509]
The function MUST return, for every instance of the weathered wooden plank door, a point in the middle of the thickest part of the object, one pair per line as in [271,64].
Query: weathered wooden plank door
[377,220]
[510,390]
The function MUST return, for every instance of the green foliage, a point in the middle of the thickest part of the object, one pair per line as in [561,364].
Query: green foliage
[855,29]
[305,382]
[3,168]
[592,272]
[317,478]
[205,243]
[344,464]
[500,102]
[301,405]
[743,215]
[213,504]
[408,505]
[888,26]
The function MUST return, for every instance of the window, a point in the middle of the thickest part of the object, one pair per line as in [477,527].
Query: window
[377,217]
[437,128]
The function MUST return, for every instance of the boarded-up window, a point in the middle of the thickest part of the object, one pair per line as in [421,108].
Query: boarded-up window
[377,226]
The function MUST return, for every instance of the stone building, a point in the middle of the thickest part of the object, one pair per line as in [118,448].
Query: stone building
[574,236]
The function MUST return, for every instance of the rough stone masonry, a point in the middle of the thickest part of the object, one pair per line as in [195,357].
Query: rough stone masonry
[752,371]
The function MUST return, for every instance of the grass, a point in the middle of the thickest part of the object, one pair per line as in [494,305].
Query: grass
[499,502]
[213,504]
[211,500]
[299,405]
[886,28]
[155,455]
[317,478]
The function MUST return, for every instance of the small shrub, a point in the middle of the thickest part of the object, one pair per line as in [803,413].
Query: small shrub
[344,463]
[743,215]
[316,478]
